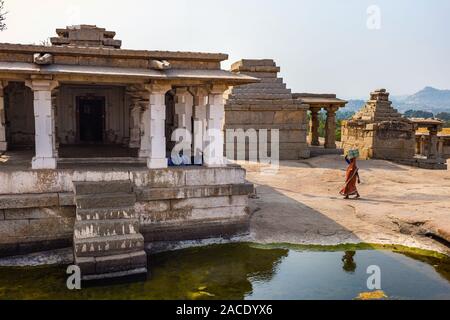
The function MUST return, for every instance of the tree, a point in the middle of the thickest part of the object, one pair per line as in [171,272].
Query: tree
[445,116]
[2,15]
[418,114]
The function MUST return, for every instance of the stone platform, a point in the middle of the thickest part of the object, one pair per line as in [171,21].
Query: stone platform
[38,212]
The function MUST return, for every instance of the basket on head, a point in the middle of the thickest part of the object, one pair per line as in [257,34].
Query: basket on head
[354,153]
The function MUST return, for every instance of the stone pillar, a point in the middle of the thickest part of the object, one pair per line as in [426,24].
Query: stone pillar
[418,139]
[44,116]
[330,128]
[55,93]
[423,142]
[200,124]
[215,117]
[440,147]
[3,142]
[135,122]
[433,150]
[314,127]
[153,144]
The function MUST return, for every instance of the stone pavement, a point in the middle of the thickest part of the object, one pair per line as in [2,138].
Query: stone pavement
[301,204]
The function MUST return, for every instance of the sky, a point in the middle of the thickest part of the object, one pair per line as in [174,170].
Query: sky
[347,47]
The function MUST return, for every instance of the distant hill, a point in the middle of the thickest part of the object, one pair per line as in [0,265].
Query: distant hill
[428,99]
[354,105]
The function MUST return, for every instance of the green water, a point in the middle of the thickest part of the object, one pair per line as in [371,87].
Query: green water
[246,271]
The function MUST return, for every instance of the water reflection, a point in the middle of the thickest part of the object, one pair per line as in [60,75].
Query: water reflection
[349,261]
[245,271]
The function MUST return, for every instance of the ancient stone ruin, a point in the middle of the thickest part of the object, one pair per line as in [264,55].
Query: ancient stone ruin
[266,105]
[87,130]
[379,131]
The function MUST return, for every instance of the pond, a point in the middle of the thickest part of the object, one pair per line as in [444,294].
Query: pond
[250,271]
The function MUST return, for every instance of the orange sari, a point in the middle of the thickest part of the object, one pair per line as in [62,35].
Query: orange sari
[351,177]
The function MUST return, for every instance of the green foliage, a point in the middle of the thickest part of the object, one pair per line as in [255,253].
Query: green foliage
[323,119]
[344,114]
[418,114]
[2,15]
[445,116]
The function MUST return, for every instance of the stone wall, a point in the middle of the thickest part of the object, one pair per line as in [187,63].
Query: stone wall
[266,105]
[19,114]
[37,209]
[37,222]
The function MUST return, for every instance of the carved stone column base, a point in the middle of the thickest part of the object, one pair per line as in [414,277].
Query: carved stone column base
[153,163]
[43,163]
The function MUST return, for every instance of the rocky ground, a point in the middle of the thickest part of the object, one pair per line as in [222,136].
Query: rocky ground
[399,205]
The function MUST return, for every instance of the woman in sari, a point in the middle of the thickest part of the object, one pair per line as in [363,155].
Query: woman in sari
[351,177]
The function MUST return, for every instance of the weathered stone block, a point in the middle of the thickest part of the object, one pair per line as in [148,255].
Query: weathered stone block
[13,230]
[66,199]
[39,213]
[152,206]
[212,202]
[200,177]
[50,228]
[160,178]
[28,200]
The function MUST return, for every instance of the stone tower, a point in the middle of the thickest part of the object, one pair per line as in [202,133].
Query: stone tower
[267,105]
[379,131]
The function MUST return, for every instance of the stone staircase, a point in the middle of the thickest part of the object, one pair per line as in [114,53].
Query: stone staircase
[107,242]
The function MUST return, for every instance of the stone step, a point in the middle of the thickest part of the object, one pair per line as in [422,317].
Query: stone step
[262,85]
[253,63]
[84,188]
[113,263]
[105,228]
[263,96]
[239,91]
[271,80]
[102,246]
[106,213]
[114,275]
[261,102]
[270,69]
[261,75]
[105,200]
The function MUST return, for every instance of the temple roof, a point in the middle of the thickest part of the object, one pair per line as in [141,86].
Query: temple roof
[319,99]
[112,53]
[151,74]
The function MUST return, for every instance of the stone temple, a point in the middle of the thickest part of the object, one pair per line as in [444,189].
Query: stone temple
[266,105]
[86,134]
[379,131]
[260,108]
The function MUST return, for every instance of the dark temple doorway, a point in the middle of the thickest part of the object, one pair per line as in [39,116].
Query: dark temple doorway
[91,119]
